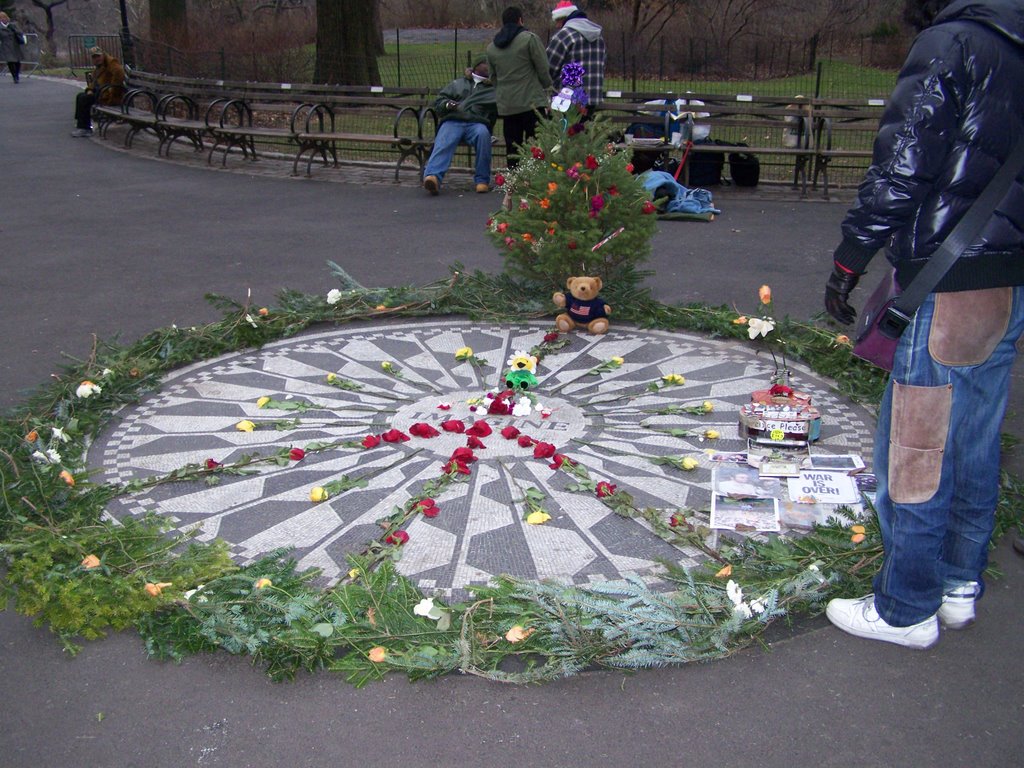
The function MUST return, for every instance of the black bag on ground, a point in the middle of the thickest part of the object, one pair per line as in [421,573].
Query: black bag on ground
[705,167]
[744,168]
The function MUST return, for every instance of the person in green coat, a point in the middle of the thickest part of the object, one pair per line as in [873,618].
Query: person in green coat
[522,82]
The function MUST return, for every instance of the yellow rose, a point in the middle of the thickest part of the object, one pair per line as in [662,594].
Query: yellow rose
[843,340]
[262,401]
[674,379]
[245,426]
[318,494]
[741,320]
[708,406]
[463,353]
[538,517]
[263,582]
[332,376]
[386,365]
[263,312]
[354,573]
[90,561]
[377,654]
[154,590]
[857,538]
[689,463]
[711,434]
[618,360]
[858,529]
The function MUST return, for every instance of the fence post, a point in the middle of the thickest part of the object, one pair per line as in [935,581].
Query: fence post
[223,65]
[398,54]
[817,81]
[661,57]
[455,58]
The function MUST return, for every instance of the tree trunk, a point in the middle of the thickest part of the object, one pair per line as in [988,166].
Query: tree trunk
[347,36]
[168,22]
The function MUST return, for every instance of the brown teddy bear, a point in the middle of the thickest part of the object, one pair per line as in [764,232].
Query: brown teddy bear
[583,306]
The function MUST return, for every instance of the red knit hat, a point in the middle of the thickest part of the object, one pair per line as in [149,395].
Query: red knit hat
[563,9]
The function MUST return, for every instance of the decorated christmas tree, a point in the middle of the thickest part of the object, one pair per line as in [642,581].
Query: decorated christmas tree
[572,205]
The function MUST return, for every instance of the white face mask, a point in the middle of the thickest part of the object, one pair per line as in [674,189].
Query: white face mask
[478,78]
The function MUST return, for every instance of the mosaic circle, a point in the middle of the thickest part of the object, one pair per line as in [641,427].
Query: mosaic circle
[610,420]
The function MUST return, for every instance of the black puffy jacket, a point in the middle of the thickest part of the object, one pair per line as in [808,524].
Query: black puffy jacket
[952,120]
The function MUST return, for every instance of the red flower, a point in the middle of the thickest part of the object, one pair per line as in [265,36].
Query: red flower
[525,441]
[537,152]
[591,163]
[613,190]
[549,337]
[445,406]
[572,245]
[499,180]
[213,464]
[629,167]
[780,389]
[428,507]
[455,466]
[647,207]
[596,203]
[463,455]
[577,127]
[510,432]
[453,425]
[422,429]
[499,406]
[475,442]
[480,428]
[431,511]
[394,436]
[371,441]
[605,489]
[543,450]
[398,538]
[296,454]
[559,460]
[503,226]
[674,521]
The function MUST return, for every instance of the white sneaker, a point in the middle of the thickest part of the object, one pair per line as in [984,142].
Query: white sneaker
[957,609]
[859,617]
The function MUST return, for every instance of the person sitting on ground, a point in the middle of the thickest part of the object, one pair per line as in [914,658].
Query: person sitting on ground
[468,112]
[107,71]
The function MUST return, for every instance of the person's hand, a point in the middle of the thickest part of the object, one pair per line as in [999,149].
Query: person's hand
[837,295]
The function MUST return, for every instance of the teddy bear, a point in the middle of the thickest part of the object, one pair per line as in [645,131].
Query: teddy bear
[583,306]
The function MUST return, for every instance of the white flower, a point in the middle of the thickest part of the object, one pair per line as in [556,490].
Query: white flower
[744,609]
[426,607]
[333,296]
[760,326]
[106,372]
[757,606]
[522,407]
[251,321]
[60,434]
[732,589]
[813,567]
[40,456]
[87,389]
[52,456]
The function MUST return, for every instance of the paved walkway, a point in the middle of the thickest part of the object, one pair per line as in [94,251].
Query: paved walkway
[105,242]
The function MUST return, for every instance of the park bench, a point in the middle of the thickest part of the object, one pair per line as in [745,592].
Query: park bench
[774,128]
[137,110]
[844,129]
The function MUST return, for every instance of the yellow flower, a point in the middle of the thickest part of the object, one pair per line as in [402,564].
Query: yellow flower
[708,406]
[263,312]
[381,307]
[67,477]
[857,538]
[318,494]
[386,365]
[262,401]
[90,561]
[354,573]
[843,340]
[463,353]
[725,573]
[154,590]
[765,294]
[245,426]
[517,634]
[689,463]
[741,320]
[858,529]
[377,654]
[538,517]
[618,360]
[674,379]
[332,376]
[711,434]
[263,582]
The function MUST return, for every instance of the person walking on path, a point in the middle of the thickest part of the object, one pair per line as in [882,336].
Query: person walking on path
[468,112]
[11,41]
[519,71]
[581,40]
[952,121]
[107,71]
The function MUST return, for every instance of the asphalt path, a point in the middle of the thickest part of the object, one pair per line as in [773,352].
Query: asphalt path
[100,242]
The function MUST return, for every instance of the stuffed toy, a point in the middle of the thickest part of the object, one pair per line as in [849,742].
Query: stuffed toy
[582,306]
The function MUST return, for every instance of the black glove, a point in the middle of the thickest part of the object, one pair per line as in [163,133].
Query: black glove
[837,294]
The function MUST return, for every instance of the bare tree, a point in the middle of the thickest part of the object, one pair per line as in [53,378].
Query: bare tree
[47,8]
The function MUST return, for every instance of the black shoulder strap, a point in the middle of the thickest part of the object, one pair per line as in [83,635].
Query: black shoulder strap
[964,233]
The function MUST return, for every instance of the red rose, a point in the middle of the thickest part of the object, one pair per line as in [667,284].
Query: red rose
[549,337]
[426,503]
[464,455]
[445,406]
[475,442]
[543,451]
[455,466]
[537,152]
[394,436]
[422,429]
[398,538]
[605,489]
[499,180]
[629,167]
[510,432]
[525,441]
[213,464]
[296,454]
[648,207]
[480,428]
[613,190]
[428,507]
[431,511]
[371,441]
[591,163]
[572,245]
[559,460]
[503,226]
[453,425]
[499,406]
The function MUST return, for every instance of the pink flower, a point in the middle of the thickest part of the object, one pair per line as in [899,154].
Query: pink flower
[525,441]
[510,432]
[597,203]
[371,441]
[453,425]
[475,442]
[398,538]
[543,450]
[605,489]
[422,429]
[499,180]
[296,454]
[480,428]
[394,436]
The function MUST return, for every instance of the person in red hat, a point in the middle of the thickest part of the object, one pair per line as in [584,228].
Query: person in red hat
[581,40]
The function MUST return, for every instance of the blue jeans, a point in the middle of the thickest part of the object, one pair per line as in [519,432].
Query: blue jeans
[937,458]
[450,134]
